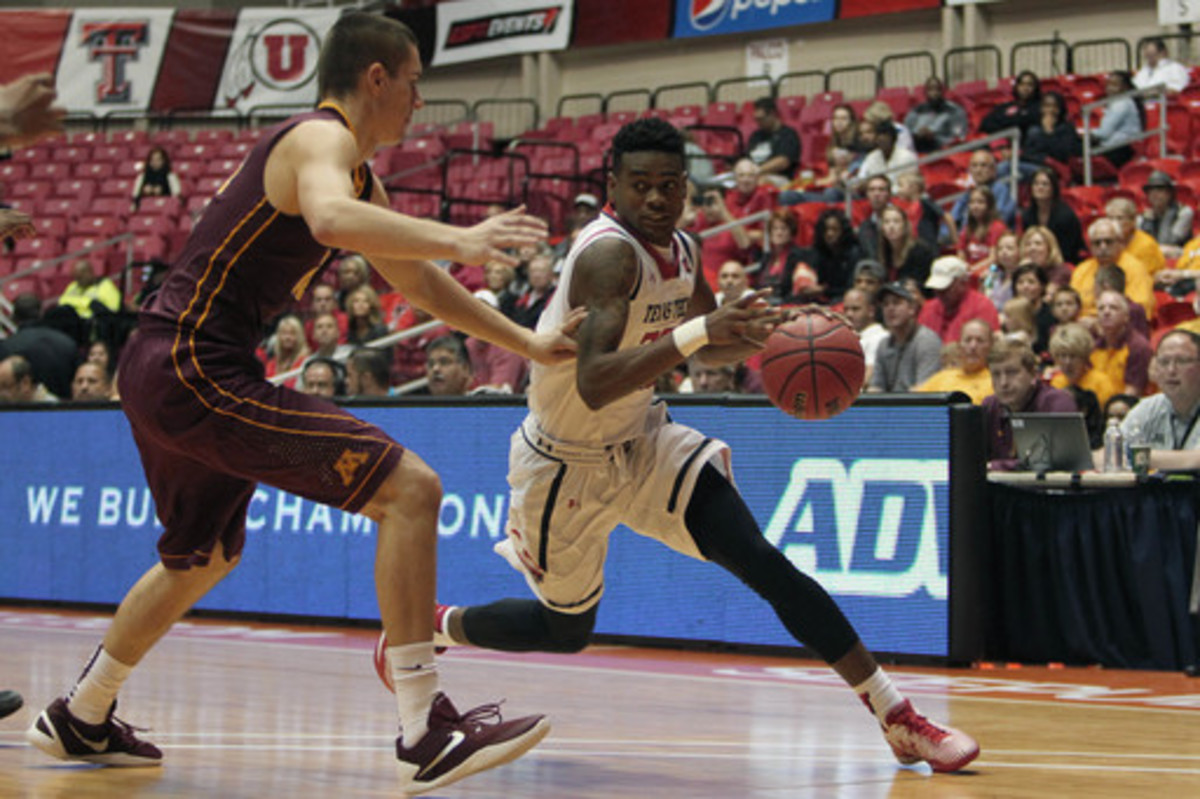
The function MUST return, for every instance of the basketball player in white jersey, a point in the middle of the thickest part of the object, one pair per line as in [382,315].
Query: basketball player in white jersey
[597,451]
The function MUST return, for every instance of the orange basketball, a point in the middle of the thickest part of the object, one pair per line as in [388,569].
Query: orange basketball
[813,366]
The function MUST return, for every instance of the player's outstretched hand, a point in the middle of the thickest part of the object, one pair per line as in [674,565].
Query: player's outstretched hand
[27,110]
[16,224]
[558,345]
[748,320]
[797,311]
[487,240]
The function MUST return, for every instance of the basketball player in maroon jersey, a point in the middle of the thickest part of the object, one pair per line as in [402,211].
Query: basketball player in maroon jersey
[209,427]
[577,470]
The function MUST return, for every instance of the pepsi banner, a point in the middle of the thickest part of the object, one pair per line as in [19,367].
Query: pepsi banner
[717,17]
[860,502]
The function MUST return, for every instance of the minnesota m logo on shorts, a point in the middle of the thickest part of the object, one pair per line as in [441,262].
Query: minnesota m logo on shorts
[348,465]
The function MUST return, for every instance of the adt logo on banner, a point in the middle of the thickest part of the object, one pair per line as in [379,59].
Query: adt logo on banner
[707,17]
[870,530]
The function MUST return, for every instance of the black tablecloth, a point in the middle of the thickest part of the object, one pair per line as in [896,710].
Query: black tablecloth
[1095,576]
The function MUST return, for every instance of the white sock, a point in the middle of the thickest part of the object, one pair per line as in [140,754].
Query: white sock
[414,673]
[97,687]
[879,694]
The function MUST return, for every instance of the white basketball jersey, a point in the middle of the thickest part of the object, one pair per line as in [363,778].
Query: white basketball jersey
[658,303]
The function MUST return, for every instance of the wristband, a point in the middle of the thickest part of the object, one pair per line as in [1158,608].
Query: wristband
[690,336]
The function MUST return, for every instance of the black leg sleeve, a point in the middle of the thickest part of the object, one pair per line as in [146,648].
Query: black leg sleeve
[526,625]
[728,535]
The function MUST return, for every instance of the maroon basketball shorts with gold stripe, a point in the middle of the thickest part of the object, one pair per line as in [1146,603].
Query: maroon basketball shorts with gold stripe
[209,429]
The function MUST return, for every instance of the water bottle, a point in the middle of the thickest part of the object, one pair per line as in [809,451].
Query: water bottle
[1114,447]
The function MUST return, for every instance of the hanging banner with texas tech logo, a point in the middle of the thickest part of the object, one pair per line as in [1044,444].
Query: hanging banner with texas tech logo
[473,29]
[272,58]
[110,57]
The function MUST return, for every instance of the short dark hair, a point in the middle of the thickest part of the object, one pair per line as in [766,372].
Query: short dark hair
[21,368]
[27,307]
[355,42]
[647,135]
[372,362]
[1111,277]
[452,344]
[336,369]
[1180,331]
[1128,399]
[1028,269]
[1160,44]
[766,104]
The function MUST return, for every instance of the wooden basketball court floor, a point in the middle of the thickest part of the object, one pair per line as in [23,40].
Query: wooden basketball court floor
[250,711]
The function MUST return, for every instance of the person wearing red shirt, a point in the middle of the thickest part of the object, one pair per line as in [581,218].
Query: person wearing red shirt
[955,303]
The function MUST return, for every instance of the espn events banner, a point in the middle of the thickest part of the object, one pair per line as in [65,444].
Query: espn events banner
[716,17]
[859,502]
[469,30]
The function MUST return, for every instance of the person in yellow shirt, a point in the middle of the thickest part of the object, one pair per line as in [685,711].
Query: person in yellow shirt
[87,289]
[971,376]
[1071,347]
[1104,241]
[1137,243]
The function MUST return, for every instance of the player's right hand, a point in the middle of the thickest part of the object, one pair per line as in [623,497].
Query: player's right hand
[746,321]
[27,110]
[487,240]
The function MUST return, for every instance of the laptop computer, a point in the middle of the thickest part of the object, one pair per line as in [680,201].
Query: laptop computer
[1051,442]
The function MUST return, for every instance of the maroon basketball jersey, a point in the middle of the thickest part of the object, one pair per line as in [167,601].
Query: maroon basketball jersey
[244,261]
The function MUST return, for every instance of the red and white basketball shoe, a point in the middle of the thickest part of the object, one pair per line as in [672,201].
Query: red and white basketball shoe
[914,738]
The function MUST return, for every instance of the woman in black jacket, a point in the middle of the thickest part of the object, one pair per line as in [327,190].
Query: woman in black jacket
[1047,209]
[1054,136]
[1024,111]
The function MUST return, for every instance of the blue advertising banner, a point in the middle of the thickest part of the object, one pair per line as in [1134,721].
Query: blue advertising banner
[860,502]
[716,17]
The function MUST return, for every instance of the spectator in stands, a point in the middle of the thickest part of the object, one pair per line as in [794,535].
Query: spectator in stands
[911,353]
[1039,246]
[1016,321]
[862,310]
[901,253]
[1121,353]
[448,367]
[1111,278]
[1066,306]
[529,306]
[367,373]
[842,157]
[936,123]
[1159,70]
[734,244]
[324,301]
[364,317]
[1030,284]
[709,379]
[1165,219]
[1104,237]
[328,339]
[927,217]
[997,284]
[1136,243]
[1167,421]
[50,352]
[18,384]
[586,209]
[834,253]
[879,111]
[879,196]
[1119,406]
[774,146]
[748,197]
[154,273]
[983,228]
[1054,136]
[982,170]
[955,303]
[1071,347]
[970,375]
[869,277]
[156,178]
[352,272]
[102,354]
[288,349]
[1014,375]
[92,383]
[1124,119]
[88,294]
[410,352]
[733,282]
[498,278]
[1023,112]
[322,377]
[782,257]
[1046,209]
[888,158]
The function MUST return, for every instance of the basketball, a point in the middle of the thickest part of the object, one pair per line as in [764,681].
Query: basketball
[813,366]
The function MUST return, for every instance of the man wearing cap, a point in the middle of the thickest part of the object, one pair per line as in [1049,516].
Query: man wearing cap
[1105,243]
[970,375]
[886,156]
[982,170]
[911,352]
[1137,243]
[587,208]
[1165,219]
[869,275]
[955,302]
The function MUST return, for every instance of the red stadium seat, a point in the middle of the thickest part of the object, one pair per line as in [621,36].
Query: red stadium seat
[1134,174]
[115,207]
[67,207]
[111,153]
[160,206]
[80,188]
[721,113]
[12,171]
[49,170]
[72,154]
[29,190]
[899,98]
[24,285]
[130,138]
[101,226]
[116,187]
[214,136]
[43,248]
[52,227]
